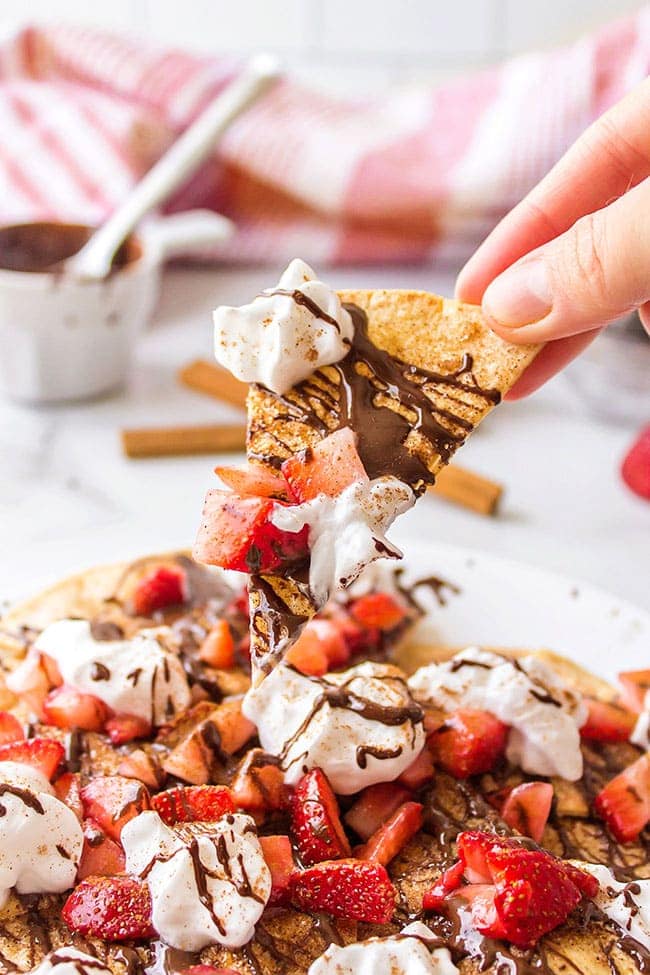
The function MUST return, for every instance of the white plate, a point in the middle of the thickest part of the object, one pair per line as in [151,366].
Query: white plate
[503,603]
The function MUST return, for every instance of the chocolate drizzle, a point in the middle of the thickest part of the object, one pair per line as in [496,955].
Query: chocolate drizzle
[305,301]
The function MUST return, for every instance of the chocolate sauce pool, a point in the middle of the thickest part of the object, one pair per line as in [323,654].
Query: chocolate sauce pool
[40,247]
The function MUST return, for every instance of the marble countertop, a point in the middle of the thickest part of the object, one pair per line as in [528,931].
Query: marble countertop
[69,498]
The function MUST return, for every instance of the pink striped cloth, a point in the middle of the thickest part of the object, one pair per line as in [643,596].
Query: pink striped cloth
[411,176]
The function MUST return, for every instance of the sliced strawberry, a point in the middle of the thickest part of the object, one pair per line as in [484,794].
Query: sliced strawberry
[253,480]
[469,742]
[190,804]
[30,682]
[328,468]
[113,800]
[139,765]
[10,728]
[624,803]
[635,469]
[121,728]
[258,784]
[43,754]
[419,773]
[66,707]
[238,533]
[165,586]
[278,854]
[101,856]
[635,684]
[527,808]
[68,790]
[448,882]
[384,845]
[218,648]
[378,609]
[375,805]
[110,908]
[358,890]
[607,722]
[319,647]
[315,820]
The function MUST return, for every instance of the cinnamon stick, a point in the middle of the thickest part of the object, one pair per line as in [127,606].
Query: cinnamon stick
[175,441]
[204,377]
[468,489]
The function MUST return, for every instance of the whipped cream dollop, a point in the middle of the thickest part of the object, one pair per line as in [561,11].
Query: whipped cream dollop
[140,676]
[209,882]
[70,961]
[285,333]
[641,732]
[401,954]
[360,726]
[347,532]
[543,713]
[626,903]
[40,839]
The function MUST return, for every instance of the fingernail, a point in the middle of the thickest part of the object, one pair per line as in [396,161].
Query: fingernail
[519,296]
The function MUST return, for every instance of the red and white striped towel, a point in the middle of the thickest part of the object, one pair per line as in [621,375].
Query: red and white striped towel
[415,175]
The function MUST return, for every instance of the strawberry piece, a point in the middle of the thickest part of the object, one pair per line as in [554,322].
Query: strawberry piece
[278,854]
[190,804]
[469,742]
[110,908]
[68,789]
[607,721]
[319,647]
[384,845]
[378,609]
[624,803]
[315,820]
[374,806]
[253,480]
[66,707]
[139,765]
[419,773]
[358,890]
[635,685]
[121,728]
[10,728]
[635,469]
[101,856]
[30,682]
[527,808]
[448,882]
[328,468]
[43,754]
[218,648]
[165,586]
[258,784]
[113,800]
[237,533]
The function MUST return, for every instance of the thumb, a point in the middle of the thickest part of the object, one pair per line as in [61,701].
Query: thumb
[594,273]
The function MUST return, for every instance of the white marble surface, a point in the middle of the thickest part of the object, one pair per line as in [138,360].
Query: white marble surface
[69,498]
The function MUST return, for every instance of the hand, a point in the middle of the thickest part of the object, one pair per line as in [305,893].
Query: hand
[576,249]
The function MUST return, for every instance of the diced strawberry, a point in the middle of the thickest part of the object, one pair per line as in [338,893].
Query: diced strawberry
[101,856]
[319,647]
[68,790]
[607,722]
[30,682]
[190,804]
[635,469]
[113,800]
[384,845]
[165,586]
[237,533]
[375,805]
[419,773]
[278,854]
[624,803]
[378,609]
[635,685]
[43,754]
[469,742]
[328,468]
[121,728]
[66,707]
[358,890]
[258,784]
[254,480]
[10,728]
[527,808]
[139,765]
[110,908]
[232,725]
[218,648]
[315,820]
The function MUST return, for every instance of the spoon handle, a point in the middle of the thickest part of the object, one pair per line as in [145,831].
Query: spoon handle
[94,260]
